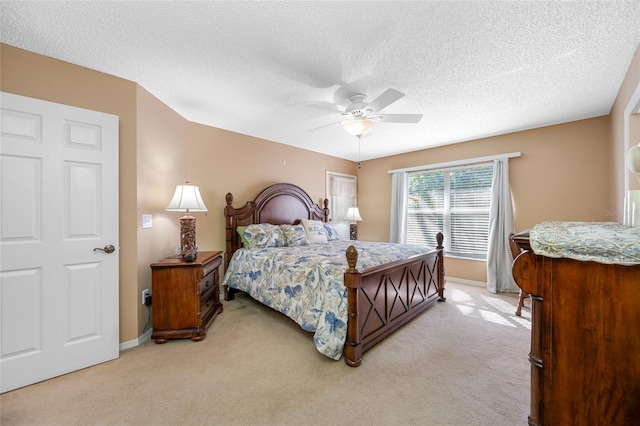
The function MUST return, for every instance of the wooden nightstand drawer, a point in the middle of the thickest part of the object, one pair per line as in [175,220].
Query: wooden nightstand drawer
[186,296]
[208,283]
[208,307]
[211,265]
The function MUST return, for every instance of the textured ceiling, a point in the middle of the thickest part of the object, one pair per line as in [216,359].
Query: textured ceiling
[274,70]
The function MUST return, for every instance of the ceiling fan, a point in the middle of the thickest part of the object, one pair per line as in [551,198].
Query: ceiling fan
[362,116]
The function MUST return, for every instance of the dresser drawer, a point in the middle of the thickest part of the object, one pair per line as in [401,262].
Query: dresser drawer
[209,306]
[212,265]
[207,283]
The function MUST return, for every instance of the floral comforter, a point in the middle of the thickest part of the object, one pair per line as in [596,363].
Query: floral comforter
[306,283]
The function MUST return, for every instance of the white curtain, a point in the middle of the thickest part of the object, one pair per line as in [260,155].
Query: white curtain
[399,197]
[342,186]
[501,223]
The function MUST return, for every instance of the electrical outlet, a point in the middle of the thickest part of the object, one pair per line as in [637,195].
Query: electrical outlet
[146,297]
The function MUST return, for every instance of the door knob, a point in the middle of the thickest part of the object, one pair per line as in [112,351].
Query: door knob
[107,249]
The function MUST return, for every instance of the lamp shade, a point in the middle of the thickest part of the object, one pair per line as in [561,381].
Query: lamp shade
[358,126]
[186,198]
[353,214]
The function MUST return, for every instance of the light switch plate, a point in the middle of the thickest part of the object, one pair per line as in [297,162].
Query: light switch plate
[147,221]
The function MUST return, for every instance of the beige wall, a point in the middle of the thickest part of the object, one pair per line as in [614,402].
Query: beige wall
[162,162]
[563,174]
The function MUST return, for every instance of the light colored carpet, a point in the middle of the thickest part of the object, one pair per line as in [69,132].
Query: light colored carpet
[462,362]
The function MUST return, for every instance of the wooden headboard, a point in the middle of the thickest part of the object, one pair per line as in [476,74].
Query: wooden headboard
[282,203]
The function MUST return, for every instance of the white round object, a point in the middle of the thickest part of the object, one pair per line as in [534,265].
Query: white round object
[633,158]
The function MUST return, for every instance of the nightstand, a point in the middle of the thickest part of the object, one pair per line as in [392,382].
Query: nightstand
[185,296]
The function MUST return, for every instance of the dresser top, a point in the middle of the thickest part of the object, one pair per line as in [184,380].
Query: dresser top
[602,242]
[177,260]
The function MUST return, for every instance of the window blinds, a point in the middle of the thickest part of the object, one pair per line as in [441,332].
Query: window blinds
[455,202]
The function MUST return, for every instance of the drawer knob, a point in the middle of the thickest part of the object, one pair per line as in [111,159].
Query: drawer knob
[208,303]
[207,284]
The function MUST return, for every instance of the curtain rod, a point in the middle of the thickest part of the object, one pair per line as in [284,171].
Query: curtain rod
[458,162]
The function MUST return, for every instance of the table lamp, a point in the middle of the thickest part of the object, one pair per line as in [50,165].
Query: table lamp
[353,215]
[187,199]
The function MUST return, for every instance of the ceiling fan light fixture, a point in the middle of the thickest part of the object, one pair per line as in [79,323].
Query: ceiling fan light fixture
[358,126]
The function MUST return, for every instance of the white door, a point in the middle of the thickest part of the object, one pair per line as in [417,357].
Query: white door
[58,201]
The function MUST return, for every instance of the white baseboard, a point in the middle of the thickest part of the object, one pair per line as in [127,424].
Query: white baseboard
[136,342]
[466,282]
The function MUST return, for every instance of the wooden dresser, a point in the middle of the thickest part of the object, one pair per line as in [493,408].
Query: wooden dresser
[585,339]
[185,296]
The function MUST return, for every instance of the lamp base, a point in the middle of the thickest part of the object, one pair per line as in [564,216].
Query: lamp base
[187,235]
[353,231]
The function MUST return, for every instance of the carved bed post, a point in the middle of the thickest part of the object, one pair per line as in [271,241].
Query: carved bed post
[228,213]
[352,281]
[325,210]
[230,234]
[440,272]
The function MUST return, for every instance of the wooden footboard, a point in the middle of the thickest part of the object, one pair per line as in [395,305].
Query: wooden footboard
[384,298]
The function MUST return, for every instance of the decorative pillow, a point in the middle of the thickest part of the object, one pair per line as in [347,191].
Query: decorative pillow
[331,231]
[240,230]
[315,231]
[263,235]
[294,235]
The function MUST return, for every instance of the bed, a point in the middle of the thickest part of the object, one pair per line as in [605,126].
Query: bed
[376,300]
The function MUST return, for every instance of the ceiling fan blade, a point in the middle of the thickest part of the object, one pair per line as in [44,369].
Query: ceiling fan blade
[326,125]
[399,118]
[325,107]
[387,98]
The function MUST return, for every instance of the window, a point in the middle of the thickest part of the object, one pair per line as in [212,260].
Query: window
[342,194]
[453,201]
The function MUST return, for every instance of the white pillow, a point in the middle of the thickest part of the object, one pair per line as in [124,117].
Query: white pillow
[315,231]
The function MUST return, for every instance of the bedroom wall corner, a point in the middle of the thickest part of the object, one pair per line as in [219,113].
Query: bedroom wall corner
[162,163]
[222,161]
